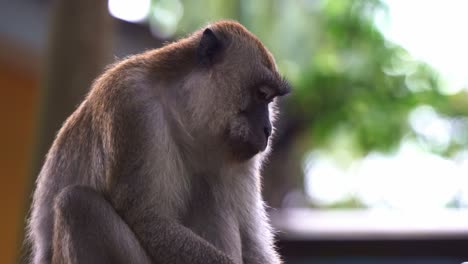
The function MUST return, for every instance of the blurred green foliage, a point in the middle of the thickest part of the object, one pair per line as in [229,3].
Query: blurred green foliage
[348,80]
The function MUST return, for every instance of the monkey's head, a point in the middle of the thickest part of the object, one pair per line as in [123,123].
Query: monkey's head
[233,89]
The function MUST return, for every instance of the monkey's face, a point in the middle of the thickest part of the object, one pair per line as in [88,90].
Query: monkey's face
[249,131]
[239,77]
[251,94]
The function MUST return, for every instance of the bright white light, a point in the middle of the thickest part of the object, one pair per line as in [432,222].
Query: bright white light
[410,179]
[325,182]
[462,160]
[130,10]
[435,32]
[426,122]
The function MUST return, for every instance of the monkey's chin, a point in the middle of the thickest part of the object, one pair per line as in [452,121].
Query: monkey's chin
[243,151]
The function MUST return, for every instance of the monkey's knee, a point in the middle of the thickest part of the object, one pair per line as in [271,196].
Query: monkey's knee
[88,230]
[76,232]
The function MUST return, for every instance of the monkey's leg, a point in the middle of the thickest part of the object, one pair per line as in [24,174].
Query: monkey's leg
[88,230]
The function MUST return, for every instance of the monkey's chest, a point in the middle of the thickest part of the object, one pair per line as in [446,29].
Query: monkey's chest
[216,223]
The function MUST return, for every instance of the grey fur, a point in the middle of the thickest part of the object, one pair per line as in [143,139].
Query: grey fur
[142,171]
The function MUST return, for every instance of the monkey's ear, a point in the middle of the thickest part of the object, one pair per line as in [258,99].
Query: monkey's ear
[209,47]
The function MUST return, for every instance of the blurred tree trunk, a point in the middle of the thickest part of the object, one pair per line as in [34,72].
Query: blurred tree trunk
[80,45]
[283,171]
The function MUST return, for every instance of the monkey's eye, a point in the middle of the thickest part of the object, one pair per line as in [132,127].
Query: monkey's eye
[265,94]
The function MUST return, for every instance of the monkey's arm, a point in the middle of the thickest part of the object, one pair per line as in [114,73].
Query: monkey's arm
[87,229]
[167,241]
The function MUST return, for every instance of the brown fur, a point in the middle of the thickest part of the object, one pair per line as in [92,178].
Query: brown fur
[152,138]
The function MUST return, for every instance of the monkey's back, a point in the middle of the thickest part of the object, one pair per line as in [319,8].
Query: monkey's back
[75,158]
